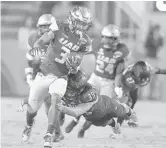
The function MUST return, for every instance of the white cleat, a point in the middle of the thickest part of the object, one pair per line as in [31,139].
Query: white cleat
[26,133]
[48,140]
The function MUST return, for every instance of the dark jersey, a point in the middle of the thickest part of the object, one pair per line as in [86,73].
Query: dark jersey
[64,43]
[105,109]
[84,94]
[127,81]
[108,59]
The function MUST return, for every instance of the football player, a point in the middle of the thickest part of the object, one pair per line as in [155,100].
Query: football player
[64,39]
[136,76]
[110,57]
[83,99]
[43,25]
[34,62]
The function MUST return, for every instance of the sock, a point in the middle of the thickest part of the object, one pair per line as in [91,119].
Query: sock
[50,129]
[30,118]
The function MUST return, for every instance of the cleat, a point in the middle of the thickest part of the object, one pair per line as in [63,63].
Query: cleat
[116,129]
[113,136]
[81,134]
[58,137]
[70,127]
[26,133]
[133,120]
[48,140]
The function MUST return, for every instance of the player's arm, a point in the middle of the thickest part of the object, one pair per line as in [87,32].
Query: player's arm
[76,111]
[48,36]
[44,39]
[119,70]
[118,75]
[160,71]
[30,60]
[88,99]
[156,70]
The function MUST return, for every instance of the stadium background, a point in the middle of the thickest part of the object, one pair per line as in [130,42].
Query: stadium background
[133,18]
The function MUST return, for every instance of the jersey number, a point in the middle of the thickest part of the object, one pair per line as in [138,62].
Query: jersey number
[63,55]
[100,67]
[91,96]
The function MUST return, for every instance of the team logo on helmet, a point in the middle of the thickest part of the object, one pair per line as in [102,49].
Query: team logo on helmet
[80,20]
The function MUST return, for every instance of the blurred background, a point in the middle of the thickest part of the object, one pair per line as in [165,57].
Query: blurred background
[143,29]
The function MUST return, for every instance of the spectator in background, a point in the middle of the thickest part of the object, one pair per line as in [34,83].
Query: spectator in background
[153,44]
[24,32]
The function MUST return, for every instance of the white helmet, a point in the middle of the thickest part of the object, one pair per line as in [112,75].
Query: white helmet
[45,19]
[112,32]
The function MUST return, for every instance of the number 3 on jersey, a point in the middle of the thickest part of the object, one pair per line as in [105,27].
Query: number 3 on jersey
[63,55]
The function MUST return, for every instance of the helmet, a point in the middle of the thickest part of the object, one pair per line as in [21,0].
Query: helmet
[44,22]
[78,80]
[80,20]
[141,73]
[110,36]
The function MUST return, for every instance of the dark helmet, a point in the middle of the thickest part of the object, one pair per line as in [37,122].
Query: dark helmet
[141,73]
[78,80]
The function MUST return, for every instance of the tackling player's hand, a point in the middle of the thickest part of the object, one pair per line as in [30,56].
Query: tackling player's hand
[73,62]
[61,108]
[119,92]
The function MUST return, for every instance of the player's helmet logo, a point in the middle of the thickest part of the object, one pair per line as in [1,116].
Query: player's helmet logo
[80,20]
[141,73]
[110,36]
[44,22]
[78,80]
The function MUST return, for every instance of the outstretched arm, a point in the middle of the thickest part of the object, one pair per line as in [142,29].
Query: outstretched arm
[76,111]
[160,71]
[44,39]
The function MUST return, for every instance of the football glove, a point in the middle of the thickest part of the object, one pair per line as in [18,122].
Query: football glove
[29,75]
[73,62]
[119,92]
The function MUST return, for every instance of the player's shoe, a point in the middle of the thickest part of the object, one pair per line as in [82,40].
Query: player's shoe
[70,127]
[81,134]
[26,133]
[58,137]
[133,120]
[48,141]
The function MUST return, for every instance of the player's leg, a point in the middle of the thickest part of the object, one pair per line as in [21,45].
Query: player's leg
[47,104]
[38,92]
[85,127]
[134,97]
[72,124]
[122,110]
[58,132]
[57,90]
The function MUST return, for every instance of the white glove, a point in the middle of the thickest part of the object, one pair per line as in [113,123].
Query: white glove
[29,79]
[119,92]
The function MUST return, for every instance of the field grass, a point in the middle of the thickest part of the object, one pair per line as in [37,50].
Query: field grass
[151,132]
